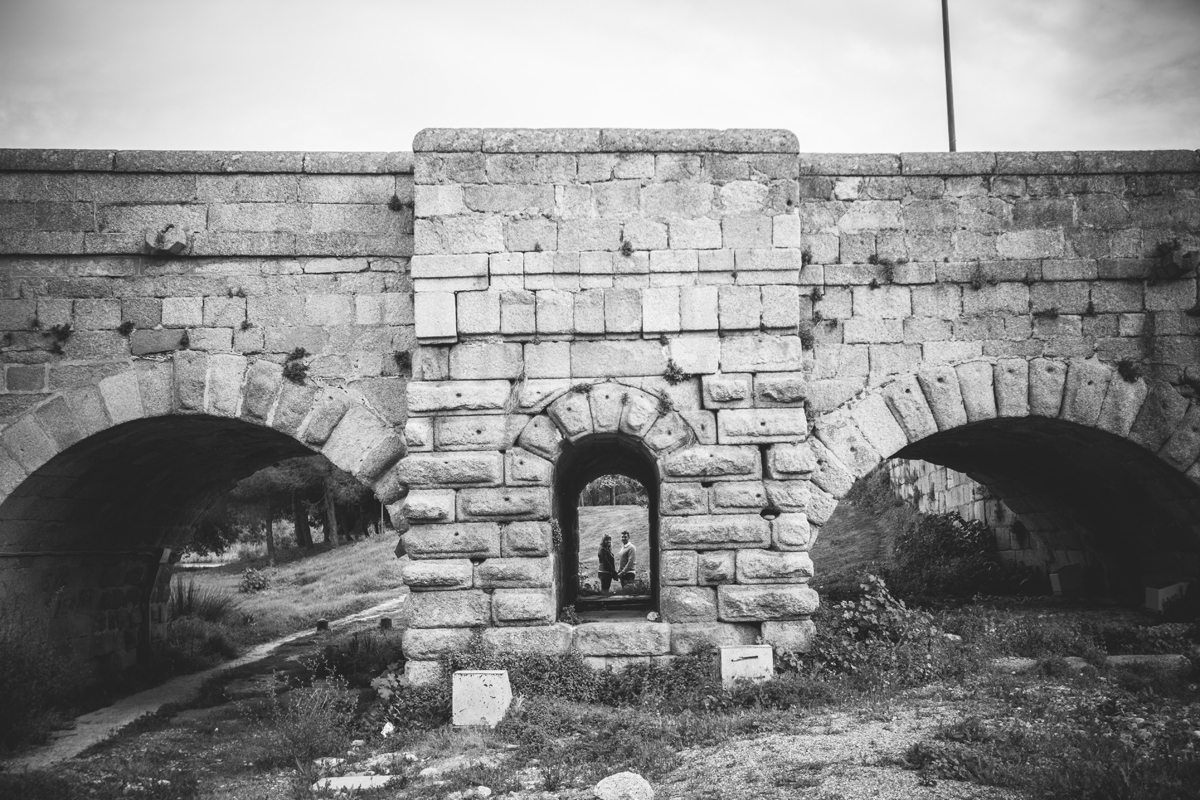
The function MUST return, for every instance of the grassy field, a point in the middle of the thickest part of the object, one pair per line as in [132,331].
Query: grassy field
[595,521]
[304,586]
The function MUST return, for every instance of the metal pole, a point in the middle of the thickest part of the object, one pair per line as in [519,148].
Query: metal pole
[949,77]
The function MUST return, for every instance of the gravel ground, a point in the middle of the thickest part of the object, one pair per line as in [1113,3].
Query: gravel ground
[832,757]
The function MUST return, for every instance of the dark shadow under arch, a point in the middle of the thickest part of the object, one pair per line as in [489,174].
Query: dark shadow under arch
[89,527]
[578,464]
[1077,487]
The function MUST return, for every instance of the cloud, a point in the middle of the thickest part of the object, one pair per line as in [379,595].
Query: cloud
[853,76]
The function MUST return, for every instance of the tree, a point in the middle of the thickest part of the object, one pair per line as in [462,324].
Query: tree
[298,489]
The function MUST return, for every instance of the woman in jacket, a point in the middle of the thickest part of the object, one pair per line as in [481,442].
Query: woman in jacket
[608,565]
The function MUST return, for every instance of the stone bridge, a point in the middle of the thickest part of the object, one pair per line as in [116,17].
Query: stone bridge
[495,320]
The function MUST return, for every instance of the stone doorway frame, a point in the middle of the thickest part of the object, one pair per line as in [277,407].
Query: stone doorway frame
[581,462]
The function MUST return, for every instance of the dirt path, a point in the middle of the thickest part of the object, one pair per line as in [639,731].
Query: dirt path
[98,725]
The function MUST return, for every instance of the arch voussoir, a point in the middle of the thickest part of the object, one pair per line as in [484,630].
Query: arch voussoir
[940,386]
[908,404]
[1084,393]
[977,386]
[1047,383]
[840,432]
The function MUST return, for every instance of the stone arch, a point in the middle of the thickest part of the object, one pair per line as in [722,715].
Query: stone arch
[592,429]
[1067,444]
[99,480]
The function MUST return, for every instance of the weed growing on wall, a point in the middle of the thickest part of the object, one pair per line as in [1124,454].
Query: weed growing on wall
[1128,370]
[1171,263]
[673,374]
[59,335]
[294,368]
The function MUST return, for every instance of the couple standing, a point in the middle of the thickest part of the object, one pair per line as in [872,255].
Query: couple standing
[622,566]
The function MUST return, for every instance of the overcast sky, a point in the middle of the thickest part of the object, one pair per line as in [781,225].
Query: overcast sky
[845,75]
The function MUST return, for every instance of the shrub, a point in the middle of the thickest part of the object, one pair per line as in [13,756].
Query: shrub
[944,555]
[311,722]
[190,644]
[426,706]
[359,658]
[253,580]
[877,640]
[208,604]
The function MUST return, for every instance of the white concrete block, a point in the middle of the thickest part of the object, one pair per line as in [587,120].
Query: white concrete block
[480,697]
[1157,595]
[755,662]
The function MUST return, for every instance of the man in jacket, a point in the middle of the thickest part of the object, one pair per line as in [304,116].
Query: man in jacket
[626,561]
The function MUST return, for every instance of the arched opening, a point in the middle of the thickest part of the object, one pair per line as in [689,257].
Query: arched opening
[86,537]
[1066,495]
[579,464]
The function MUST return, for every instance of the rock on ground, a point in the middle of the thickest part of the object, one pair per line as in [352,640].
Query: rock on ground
[624,786]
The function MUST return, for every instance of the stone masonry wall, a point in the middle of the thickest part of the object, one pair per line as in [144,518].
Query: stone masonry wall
[766,325]
[136,286]
[574,283]
[790,320]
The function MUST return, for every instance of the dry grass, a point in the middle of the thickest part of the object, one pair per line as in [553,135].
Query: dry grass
[305,587]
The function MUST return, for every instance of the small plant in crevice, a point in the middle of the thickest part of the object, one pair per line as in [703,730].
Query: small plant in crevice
[294,368]
[806,337]
[805,257]
[59,335]
[126,328]
[569,615]
[663,340]
[1046,313]
[395,204]
[185,341]
[665,406]
[537,247]
[874,284]
[977,277]
[674,374]
[626,248]
[238,292]
[817,293]
[582,388]
[1129,371]
[403,361]
[1171,263]
[246,325]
